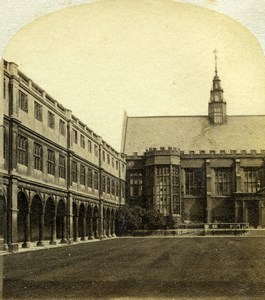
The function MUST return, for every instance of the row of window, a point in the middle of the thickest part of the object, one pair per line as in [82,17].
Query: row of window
[38,114]
[87,175]
[224,182]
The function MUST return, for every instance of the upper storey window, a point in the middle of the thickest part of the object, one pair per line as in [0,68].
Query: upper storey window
[82,141]
[89,144]
[62,126]
[75,136]
[51,119]
[23,101]
[224,181]
[38,111]
[38,156]
[4,87]
[96,150]
[22,150]
[194,182]
[251,180]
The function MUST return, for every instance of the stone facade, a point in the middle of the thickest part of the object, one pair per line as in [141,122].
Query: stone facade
[195,180]
[59,180]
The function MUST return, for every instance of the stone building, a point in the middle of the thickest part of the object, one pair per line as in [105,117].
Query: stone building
[198,168]
[60,182]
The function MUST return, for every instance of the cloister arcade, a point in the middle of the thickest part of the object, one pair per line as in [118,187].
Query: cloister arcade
[53,219]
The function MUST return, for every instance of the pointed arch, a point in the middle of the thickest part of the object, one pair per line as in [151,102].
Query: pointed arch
[23,222]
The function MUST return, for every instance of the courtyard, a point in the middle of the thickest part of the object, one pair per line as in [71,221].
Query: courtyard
[197,267]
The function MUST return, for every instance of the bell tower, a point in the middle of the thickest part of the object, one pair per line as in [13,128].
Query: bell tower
[217,104]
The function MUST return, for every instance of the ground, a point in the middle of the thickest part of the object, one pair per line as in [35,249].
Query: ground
[198,267]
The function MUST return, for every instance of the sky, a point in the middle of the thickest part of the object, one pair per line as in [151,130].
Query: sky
[148,57]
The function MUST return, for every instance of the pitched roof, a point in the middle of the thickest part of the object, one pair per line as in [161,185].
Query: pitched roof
[193,133]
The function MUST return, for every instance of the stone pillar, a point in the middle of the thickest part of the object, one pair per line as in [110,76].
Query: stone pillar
[76,238]
[236,211]
[84,237]
[101,220]
[63,240]
[69,219]
[105,227]
[53,231]
[12,215]
[41,230]
[209,186]
[245,212]
[27,243]
[113,226]
[91,233]
[109,226]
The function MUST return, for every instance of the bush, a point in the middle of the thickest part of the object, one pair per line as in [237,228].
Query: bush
[137,218]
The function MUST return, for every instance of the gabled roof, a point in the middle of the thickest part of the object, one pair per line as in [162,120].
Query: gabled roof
[193,133]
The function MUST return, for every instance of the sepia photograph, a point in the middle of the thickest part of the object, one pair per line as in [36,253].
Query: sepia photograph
[132,149]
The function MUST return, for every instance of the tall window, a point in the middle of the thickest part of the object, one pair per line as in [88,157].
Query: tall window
[96,150]
[136,183]
[108,185]
[112,187]
[163,189]
[51,162]
[75,136]
[95,180]
[61,166]
[117,188]
[103,155]
[89,145]
[38,111]
[103,183]
[38,156]
[51,119]
[89,178]
[108,159]
[112,162]
[22,150]
[194,182]
[251,180]
[82,141]
[122,189]
[23,101]
[117,165]
[74,171]
[62,127]
[224,181]
[175,190]
[82,174]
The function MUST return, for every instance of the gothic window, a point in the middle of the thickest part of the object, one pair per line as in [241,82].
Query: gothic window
[82,174]
[89,144]
[75,136]
[135,183]
[108,185]
[95,180]
[163,189]
[103,183]
[22,150]
[82,141]
[251,180]
[194,182]
[23,101]
[175,190]
[61,166]
[38,156]
[74,171]
[112,187]
[224,181]
[117,188]
[89,178]
[51,162]
[51,119]
[38,111]
[62,127]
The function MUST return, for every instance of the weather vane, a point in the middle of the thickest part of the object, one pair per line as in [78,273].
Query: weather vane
[215,57]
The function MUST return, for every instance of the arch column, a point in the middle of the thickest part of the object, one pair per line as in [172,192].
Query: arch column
[41,230]
[84,237]
[91,232]
[113,225]
[76,219]
[27,242]
[53,230]
[63,240]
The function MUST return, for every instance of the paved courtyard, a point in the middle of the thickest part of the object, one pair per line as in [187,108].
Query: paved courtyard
[141,267]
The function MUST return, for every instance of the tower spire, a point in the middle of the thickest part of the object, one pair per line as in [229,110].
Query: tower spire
[217,104]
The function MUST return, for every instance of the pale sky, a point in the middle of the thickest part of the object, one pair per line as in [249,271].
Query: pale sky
[146,57]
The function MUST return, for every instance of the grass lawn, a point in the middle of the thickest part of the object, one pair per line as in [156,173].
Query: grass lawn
[141,267]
